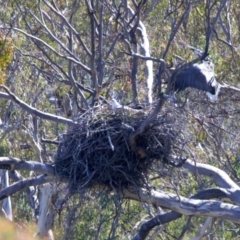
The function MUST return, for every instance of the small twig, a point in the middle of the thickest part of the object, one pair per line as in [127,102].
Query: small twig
[144,57]
[49,141]
[185,228]
[110,141]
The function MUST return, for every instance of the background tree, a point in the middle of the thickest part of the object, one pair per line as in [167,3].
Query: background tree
[69,62]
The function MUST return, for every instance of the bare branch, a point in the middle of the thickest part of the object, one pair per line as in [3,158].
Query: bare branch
[211,23]
[185,228]
[151,7]
[32,181]
[227,86]
[71,76]
[202,231]
[177,26]
[4,95]
[70,27]
[146,122]
[158,220]
[52,36]
[36,112]
[187,206]
[220,177]
[161,219]
[18,164]
[72,57]
[146,58]
[111,48]
[49,141]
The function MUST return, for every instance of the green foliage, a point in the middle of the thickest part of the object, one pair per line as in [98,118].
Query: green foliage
[6,52]
[101,216]
[4,150]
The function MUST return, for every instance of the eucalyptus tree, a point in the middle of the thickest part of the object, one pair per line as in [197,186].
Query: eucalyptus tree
[70,58]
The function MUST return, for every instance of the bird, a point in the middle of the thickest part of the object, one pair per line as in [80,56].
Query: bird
[200,76]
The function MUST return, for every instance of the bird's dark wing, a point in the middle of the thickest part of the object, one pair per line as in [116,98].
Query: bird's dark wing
[191,77]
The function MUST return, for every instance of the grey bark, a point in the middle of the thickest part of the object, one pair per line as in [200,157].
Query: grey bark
[46,212]
[6,204]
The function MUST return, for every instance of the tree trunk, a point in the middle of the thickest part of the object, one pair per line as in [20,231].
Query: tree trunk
[6,204]
[46,213]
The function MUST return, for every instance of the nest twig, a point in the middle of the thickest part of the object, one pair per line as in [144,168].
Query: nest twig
[97,150]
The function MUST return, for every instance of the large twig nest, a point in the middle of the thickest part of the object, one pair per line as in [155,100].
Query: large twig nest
[97,150]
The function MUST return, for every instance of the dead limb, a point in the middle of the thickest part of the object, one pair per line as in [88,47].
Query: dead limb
[161,219]
[157,220]
[186,206]
[18,164]
[203,231]
[34,111]
[220,177]
[146,122]
[32,181]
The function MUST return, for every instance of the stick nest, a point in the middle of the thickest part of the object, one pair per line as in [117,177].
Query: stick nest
[97,150]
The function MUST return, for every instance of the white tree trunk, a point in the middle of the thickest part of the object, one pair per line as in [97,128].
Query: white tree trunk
[145,46]
[6,204]
[149,64]
[46,212]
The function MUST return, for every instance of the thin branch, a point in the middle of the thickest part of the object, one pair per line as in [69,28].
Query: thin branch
[50,63]
[211,24]
[32,181]
[72,58]
[185,228]
[43,140]
[52,36]
[34,111]
[146,58]
[4,95]
[223,41]
[111,48]
[157,220]
[146,122]
[177,26]
[224,85]
[202,231]
[70,26]
[71,76]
